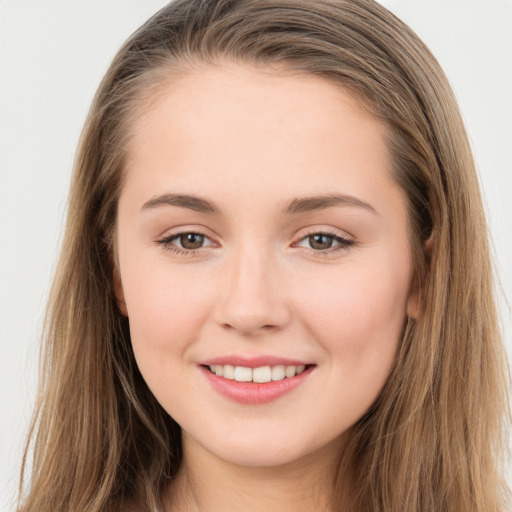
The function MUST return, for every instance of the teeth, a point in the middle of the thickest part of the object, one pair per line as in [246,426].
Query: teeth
[228,371]
[278,373]
[261,374]
[243,374]
[289,371]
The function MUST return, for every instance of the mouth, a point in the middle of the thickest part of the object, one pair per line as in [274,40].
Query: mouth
[252,381]
[260,374]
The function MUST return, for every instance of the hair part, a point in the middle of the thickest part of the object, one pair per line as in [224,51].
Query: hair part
[434,439]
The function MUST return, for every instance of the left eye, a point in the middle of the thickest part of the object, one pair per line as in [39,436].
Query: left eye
[325,241]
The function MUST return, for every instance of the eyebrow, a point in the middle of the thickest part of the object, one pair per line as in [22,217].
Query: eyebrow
[309,204]
[293,207]
[195,203]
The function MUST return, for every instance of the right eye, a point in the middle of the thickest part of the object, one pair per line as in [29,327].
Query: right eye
[184,243]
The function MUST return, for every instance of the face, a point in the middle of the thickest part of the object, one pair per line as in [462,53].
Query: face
[263,260]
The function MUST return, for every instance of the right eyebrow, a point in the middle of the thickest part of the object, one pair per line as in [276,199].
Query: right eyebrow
[184,201]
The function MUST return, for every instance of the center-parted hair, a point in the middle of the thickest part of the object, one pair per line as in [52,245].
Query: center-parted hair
[434,439]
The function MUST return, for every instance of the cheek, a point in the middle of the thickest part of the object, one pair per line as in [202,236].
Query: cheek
[357,317]
[165,311]
[359,311]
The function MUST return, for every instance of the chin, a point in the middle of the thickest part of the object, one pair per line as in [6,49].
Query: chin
[262,457]
[268,451]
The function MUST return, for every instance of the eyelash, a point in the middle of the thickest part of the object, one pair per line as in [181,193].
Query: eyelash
[343,243]
[167,246]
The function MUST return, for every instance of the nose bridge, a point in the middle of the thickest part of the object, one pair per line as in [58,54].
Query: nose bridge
[253,299]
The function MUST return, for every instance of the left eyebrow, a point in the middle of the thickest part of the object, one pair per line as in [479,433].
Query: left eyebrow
[310,204]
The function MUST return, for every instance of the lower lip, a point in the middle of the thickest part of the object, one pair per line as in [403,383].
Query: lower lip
[255,392]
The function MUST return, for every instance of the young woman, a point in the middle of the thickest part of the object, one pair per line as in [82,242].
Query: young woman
[274,291]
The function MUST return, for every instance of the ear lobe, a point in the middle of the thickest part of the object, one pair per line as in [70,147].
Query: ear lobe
[118,288]
[429,244]
[412,309]
[413,302]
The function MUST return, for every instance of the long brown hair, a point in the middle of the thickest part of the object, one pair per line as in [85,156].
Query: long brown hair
[434,439]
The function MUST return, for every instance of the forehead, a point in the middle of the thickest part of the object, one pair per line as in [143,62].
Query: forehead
[269,131]
[248,95]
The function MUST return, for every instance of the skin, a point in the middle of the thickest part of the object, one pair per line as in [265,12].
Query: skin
[251,140]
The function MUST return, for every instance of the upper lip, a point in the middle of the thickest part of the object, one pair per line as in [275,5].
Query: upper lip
[253,362]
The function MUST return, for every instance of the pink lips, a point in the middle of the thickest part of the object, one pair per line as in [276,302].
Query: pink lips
[252,392]
[252,362]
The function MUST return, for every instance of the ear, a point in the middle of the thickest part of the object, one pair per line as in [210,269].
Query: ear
[413,302]
[118,288]
[413,299]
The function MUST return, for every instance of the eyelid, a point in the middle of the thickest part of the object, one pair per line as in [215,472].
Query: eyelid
[335,233]
[344,242]
[166,240]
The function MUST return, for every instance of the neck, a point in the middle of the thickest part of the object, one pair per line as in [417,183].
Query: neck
[206,483]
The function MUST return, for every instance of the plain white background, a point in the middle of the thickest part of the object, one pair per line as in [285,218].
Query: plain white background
[52,56]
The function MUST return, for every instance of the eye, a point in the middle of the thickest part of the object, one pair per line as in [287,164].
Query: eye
[321,242]
[185,242]
[190,240]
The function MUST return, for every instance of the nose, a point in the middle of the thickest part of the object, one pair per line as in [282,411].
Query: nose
[254,299]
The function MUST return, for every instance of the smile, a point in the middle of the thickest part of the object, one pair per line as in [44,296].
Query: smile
[260,375]
[253,382]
